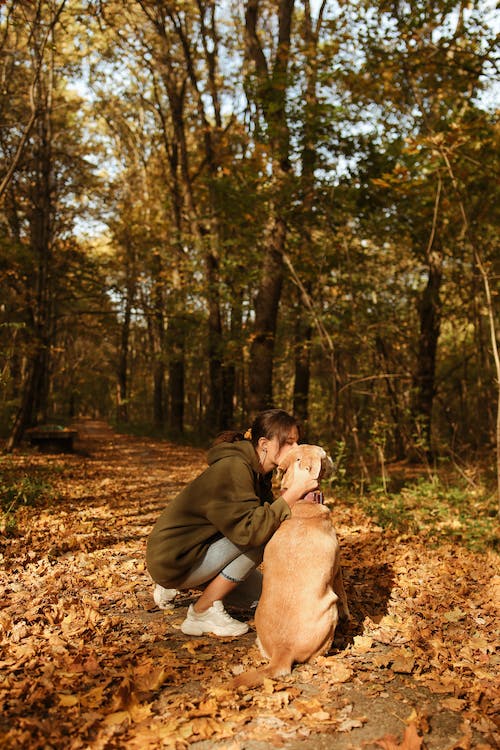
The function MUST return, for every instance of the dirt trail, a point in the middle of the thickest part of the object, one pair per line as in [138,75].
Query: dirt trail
[87,661]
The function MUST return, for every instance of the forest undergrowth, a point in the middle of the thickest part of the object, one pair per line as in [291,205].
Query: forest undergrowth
[87,661]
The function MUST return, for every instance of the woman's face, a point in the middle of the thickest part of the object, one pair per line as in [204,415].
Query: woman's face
[270,453]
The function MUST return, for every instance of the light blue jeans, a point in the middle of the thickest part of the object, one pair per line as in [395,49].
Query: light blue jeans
[225,558]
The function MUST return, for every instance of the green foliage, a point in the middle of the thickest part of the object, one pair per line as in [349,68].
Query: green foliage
[338,456]
[438,511]
[390,164]
[20,490]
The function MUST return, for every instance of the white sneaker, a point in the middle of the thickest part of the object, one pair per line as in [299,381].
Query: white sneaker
[163,597]
[214,620]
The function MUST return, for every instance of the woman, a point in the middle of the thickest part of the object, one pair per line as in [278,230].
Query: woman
[212,535]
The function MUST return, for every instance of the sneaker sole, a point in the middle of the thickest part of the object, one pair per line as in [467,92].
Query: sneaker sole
[164,601]
[193,630]
[165,605]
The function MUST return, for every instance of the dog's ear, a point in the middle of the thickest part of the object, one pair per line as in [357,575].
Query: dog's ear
[326,470]
[315,456]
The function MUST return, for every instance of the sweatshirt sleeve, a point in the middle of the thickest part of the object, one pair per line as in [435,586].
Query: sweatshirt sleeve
[237,511]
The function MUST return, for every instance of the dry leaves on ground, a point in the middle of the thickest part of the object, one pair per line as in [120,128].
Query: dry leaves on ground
[88,662]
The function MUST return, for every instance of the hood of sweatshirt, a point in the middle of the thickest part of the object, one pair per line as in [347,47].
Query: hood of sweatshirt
[242,448]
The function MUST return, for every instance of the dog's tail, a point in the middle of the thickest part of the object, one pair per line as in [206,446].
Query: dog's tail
[280,664]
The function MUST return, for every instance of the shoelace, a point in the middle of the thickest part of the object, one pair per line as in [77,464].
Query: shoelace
[227,617]
[231,620]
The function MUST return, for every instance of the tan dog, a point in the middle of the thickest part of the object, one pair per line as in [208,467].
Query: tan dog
[297,613]
[310,457]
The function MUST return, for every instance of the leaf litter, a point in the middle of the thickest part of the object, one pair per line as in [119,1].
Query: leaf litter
[88,662]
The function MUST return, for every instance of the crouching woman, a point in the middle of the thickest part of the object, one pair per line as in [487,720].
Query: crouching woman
[212,535]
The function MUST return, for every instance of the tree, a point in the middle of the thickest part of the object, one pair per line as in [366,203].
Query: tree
[267,87]
[179,48]
[310,115]
[37,162]
[425,62]
[12,13]
[277,219]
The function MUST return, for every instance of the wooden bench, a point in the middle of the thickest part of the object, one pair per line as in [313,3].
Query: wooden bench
[52,439]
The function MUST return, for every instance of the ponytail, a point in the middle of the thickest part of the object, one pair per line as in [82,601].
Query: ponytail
[228,436]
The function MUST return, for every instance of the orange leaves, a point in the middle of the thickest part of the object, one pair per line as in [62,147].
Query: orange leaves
[126,706]
[454,615]
[454,704]
[411,740]
[338,672]
[85,655]
[149,678]
[403,661]
[362,644]
[68,700]
[201,650]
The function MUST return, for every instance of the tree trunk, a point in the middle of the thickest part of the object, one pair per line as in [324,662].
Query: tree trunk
[159,345]
[215,346]
[176,345]
[424,381]
[232,371]
[24,416]
[303,326]
[400,444]
[158,392]
[122,413]
[36,386]
[302,363]
[271,93]
[260,377]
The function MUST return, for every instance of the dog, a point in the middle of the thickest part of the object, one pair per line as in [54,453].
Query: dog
[302,588]
[313,458]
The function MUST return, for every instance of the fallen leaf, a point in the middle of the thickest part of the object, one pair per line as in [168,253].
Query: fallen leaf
[207,707]
[68,700]
[93,698]
[346,722]
[117,717]
[362,644]
[204,728]
[337,672]
[411,740]
[347,725]
[382,660]
[267,685]
[193,646]
[454,704]
[320,716]
[308,707]
[185,730]
[403,662]
[455,615]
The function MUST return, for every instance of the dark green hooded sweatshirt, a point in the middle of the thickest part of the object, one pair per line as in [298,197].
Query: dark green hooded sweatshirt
[229,499]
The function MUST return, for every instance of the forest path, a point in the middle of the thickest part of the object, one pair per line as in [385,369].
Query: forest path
[88,661]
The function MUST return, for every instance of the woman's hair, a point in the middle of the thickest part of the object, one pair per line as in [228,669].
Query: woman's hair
[228,436]
[271,423]
[268,424]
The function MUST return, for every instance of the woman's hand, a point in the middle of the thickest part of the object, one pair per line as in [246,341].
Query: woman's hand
[302,483]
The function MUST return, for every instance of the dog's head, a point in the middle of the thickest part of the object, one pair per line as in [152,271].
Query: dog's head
[313,458]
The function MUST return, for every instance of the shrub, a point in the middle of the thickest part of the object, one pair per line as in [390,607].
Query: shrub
[429,507]
[18,491]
